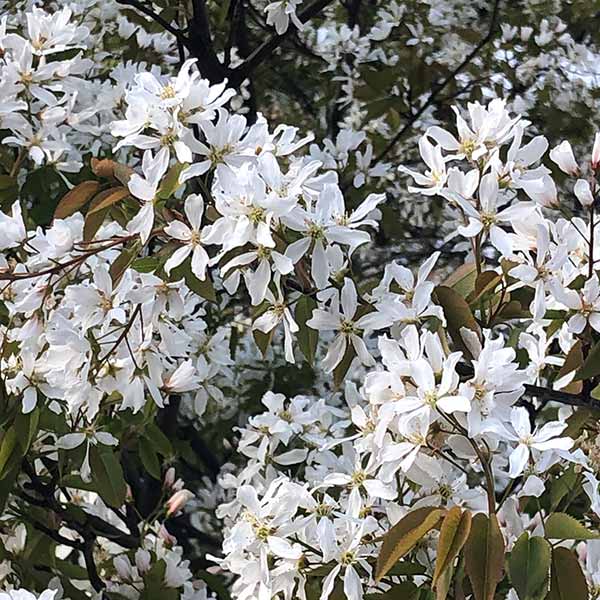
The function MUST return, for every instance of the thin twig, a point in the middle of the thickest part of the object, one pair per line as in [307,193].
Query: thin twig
[441,86]
[266,49]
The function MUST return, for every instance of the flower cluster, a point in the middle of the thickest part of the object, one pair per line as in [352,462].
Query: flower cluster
[431,413]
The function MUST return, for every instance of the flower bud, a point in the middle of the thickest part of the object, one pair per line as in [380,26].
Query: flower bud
[142,561]
[168,539]
[563,156]
[169,479]
[596,152]
[177,501]
[123,567]
[583,192]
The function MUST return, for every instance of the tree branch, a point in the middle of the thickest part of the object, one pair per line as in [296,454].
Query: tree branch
[441,86]
[156,17]
[266,49]
[549,395]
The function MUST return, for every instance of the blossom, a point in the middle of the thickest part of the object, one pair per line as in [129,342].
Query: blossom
[145,189]
[488,219]
[435,178]
[543,440]
[278,312]
[345,324]
[280,13]
[177,501]
[192,237]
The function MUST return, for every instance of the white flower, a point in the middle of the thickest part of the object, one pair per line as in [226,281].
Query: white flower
[280,13]
[193,238]
[488,219]
[347,327]
[12,229]
[278,312]
[435,178]
[542,440]
[145,189]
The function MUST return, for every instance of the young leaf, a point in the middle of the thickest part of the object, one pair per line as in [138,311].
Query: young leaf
[560,526]
[404,535]
[76,198]
[529,566]
[458,314]
[170,183]
[573,361]
[453,535]
[462,280]
[484,556]
[123,261]
[567,581]
[113,196]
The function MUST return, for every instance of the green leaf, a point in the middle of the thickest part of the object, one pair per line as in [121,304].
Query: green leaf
[573,361]
[204,289]
[407,568]
[484,556]
[307,336]
[263,340]
[567,581]
[529,567]
[406,590]
[215,584]
[485,283]
[560,526]
[154,584]
[564,484]
[108,199]
[76,199]
[108,475]
[591,365]
[403,537]
[160,441]
[26,427]
[339,373]
[9,451]
[462,280]
[149,458]
[148,264]
[123,262]
[453,535]
[458,314]
[170,183]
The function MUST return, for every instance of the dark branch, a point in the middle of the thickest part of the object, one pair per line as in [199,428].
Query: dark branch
[548,395]
[441,86]
[156,17]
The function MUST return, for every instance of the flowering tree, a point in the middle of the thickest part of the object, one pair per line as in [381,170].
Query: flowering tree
[357,355]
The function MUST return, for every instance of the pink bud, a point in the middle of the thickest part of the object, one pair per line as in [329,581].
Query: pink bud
[596,152]
[169,477]
[177,501]
[168,539]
